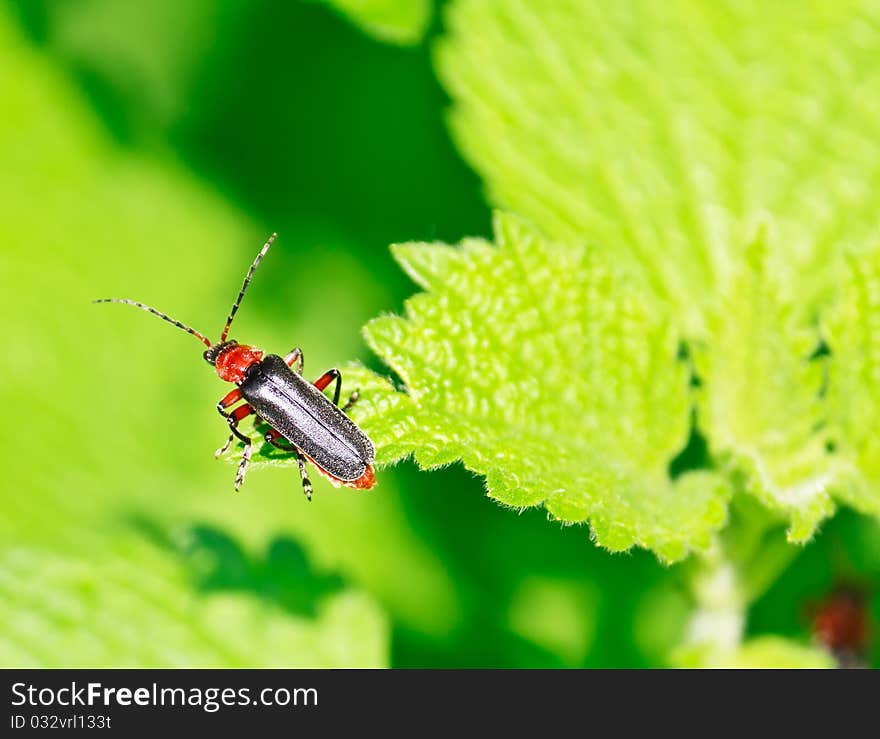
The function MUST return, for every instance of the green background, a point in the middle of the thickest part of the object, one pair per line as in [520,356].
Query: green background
[146,151]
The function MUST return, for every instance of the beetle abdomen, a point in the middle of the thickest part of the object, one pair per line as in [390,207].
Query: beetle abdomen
[307,418]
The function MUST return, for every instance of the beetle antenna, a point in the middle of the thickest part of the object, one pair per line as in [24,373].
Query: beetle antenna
[247,281]
[136,304]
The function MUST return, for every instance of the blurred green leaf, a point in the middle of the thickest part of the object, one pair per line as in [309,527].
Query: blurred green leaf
[771,652]
[558,615]
[853,332]
[764,652]
[80,587]
[137,59]
[79,219]
[134,609]
[759,402]
[394,21]
[665,132]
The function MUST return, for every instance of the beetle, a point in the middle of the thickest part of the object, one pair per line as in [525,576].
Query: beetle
[302,419]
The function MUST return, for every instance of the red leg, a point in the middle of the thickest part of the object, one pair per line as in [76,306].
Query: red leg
[328,377]
[233,419]
[242,412]
[272,436]
[231,398]
[238,415]
[295,358]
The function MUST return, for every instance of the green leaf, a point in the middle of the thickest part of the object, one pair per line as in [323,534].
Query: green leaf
[668,135]
[759,401]
[542,369]
[853,334]
[394,21]
[135,608]
[664,132]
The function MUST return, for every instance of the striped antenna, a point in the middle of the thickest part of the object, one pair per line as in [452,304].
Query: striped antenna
[247,281]
[136,304]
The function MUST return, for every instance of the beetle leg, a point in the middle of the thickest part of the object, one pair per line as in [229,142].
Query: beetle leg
[240,413]
[243,411]
[328,377]
[226,445]
[272,436]
[231,398]
[352,399]
[245,461]
[307,484]
[245,455]
[295,358]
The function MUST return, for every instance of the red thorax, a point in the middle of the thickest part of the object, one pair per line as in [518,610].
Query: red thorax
[233,361]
